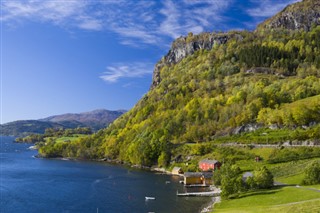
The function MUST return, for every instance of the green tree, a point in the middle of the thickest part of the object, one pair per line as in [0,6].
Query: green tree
[263,178]
[231,181]
[164,159]
[312,174]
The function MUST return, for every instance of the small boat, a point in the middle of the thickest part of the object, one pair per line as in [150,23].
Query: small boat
[150,198]
[167,182]
[32,147]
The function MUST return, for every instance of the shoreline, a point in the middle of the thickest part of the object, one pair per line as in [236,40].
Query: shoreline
[202,209]
[211,204]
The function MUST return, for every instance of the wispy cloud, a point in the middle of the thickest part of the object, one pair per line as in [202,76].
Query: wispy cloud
[126,70]
[136,22]
[268,8]
[56,12]
[191,16]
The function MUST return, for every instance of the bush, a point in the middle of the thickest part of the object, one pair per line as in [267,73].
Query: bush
[312,174]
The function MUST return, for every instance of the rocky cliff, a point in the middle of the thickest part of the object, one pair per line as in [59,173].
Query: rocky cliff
[301,15]
[185,46]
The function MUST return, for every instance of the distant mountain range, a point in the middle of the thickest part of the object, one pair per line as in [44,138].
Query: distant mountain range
[96,120]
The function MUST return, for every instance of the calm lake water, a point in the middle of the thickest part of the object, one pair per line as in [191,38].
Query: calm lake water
[29,184]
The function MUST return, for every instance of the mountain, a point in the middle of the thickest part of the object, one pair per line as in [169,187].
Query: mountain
[96,120]
[213,86]
[26,127]
[302,15]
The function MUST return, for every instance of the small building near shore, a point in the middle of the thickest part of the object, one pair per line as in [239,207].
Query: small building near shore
[209,165]
[207,178]
[198,178]
[177,171]
[246,175]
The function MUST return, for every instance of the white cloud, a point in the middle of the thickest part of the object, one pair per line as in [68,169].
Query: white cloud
[88,23]
[126,70]
[136,22]
[268,8]
[191,16]
[70,13]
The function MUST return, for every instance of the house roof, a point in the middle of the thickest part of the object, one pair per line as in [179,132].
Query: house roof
[209,161]
[246,175]
[193,174]
[198,174]
[176,169]
[207,174]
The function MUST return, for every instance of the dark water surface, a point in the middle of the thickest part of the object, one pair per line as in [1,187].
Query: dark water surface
[29,184]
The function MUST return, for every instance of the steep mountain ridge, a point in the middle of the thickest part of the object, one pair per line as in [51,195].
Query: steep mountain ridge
[185,46]
[301,15]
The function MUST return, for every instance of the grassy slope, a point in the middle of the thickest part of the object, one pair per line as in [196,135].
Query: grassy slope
[70,138]
[286,199]
[74,137]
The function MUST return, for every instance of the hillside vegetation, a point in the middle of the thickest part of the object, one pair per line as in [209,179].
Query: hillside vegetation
[265,78]
[269,77]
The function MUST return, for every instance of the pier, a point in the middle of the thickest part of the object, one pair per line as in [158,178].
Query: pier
[200,194]
[196,185]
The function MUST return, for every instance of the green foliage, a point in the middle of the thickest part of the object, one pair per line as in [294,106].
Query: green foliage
[232,183]
[299,113]
[59,132]
[208,94]
[52,149]
[293,154]
[312,174]
[164,159]
[231,180]
[32,138]
[277,136]
[262,179]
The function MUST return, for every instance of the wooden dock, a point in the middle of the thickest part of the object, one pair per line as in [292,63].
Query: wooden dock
[196,185]
[199,194]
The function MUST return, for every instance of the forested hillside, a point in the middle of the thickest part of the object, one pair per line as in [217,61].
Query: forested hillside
[262,78]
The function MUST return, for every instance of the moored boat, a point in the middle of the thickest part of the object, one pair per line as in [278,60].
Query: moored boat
[150,198]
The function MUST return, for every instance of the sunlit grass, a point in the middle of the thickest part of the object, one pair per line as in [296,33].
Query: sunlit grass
[69,138]
[293,179]
[277,200]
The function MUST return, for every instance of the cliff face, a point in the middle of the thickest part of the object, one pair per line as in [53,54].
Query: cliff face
[185,46]
[302,15]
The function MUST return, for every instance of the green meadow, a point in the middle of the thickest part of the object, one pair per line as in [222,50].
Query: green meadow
[282,199]
[292,197]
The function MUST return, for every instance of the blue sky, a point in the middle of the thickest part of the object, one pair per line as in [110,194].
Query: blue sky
[70,56]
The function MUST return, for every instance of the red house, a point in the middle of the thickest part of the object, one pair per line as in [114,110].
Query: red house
[209,165]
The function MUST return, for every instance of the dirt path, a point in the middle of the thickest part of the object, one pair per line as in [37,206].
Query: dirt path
[266,145]
[293,203]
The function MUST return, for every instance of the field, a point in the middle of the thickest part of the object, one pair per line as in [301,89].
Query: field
[292,197]
[69,139]
[65,138]
[285,199]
